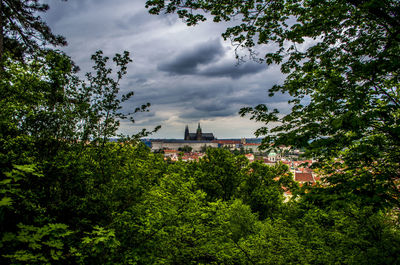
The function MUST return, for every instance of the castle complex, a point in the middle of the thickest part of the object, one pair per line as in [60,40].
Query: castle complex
[198,136]
[199,141]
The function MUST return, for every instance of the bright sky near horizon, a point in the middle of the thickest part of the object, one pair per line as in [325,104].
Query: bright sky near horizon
[188,74]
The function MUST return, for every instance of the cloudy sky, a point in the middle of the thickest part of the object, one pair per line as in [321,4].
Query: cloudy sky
[188,74]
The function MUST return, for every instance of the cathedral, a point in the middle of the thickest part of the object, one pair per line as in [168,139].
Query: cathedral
[198,136]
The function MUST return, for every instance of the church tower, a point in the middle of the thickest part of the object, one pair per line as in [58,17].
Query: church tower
[187,136]
[199,135]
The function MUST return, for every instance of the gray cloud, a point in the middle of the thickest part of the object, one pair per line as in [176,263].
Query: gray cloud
[232,70]
[205,59]
[210,108]
[188,61]
[198,115]
[202,98]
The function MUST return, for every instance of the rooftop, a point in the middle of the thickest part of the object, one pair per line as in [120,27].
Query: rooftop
[303,177]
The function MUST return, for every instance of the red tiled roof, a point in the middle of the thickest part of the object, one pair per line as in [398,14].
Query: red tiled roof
[303,177]
[251,144]
[309,162]
[169,151]
[305,170]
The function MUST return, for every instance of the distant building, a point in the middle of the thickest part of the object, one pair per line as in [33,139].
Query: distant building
[173,144]
[230,144]
[197,141]
[253,147]
[268,162]
[274,157]
[198,136]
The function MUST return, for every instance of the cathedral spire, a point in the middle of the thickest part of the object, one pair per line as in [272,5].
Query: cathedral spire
[199,135]
[187,136]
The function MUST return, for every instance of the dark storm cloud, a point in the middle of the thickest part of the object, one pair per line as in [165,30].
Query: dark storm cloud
[210,108]
[188,61]
[143,119]
[206,60]
[258,96]
[232,70]
[201,96]
[197,115]
[178,92]
[198,97]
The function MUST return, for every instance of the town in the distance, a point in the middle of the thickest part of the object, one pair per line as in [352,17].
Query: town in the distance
[194,145]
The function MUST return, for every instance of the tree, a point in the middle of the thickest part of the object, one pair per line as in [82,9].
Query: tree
[185,149]
[203,149]
[22,30]
[39,106]
[218,173]
[58,192]
[103,99]
[341,58]
[242,151]
[262,188]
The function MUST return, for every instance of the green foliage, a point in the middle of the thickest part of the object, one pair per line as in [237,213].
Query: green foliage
[218,173]
[49,175]
[352,236]
[37,245]
[40,108]
[186,149]
[9,185]
[262,188]
[102,94]
[99,246]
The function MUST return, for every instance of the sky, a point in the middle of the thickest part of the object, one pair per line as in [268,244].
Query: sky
[188,74]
